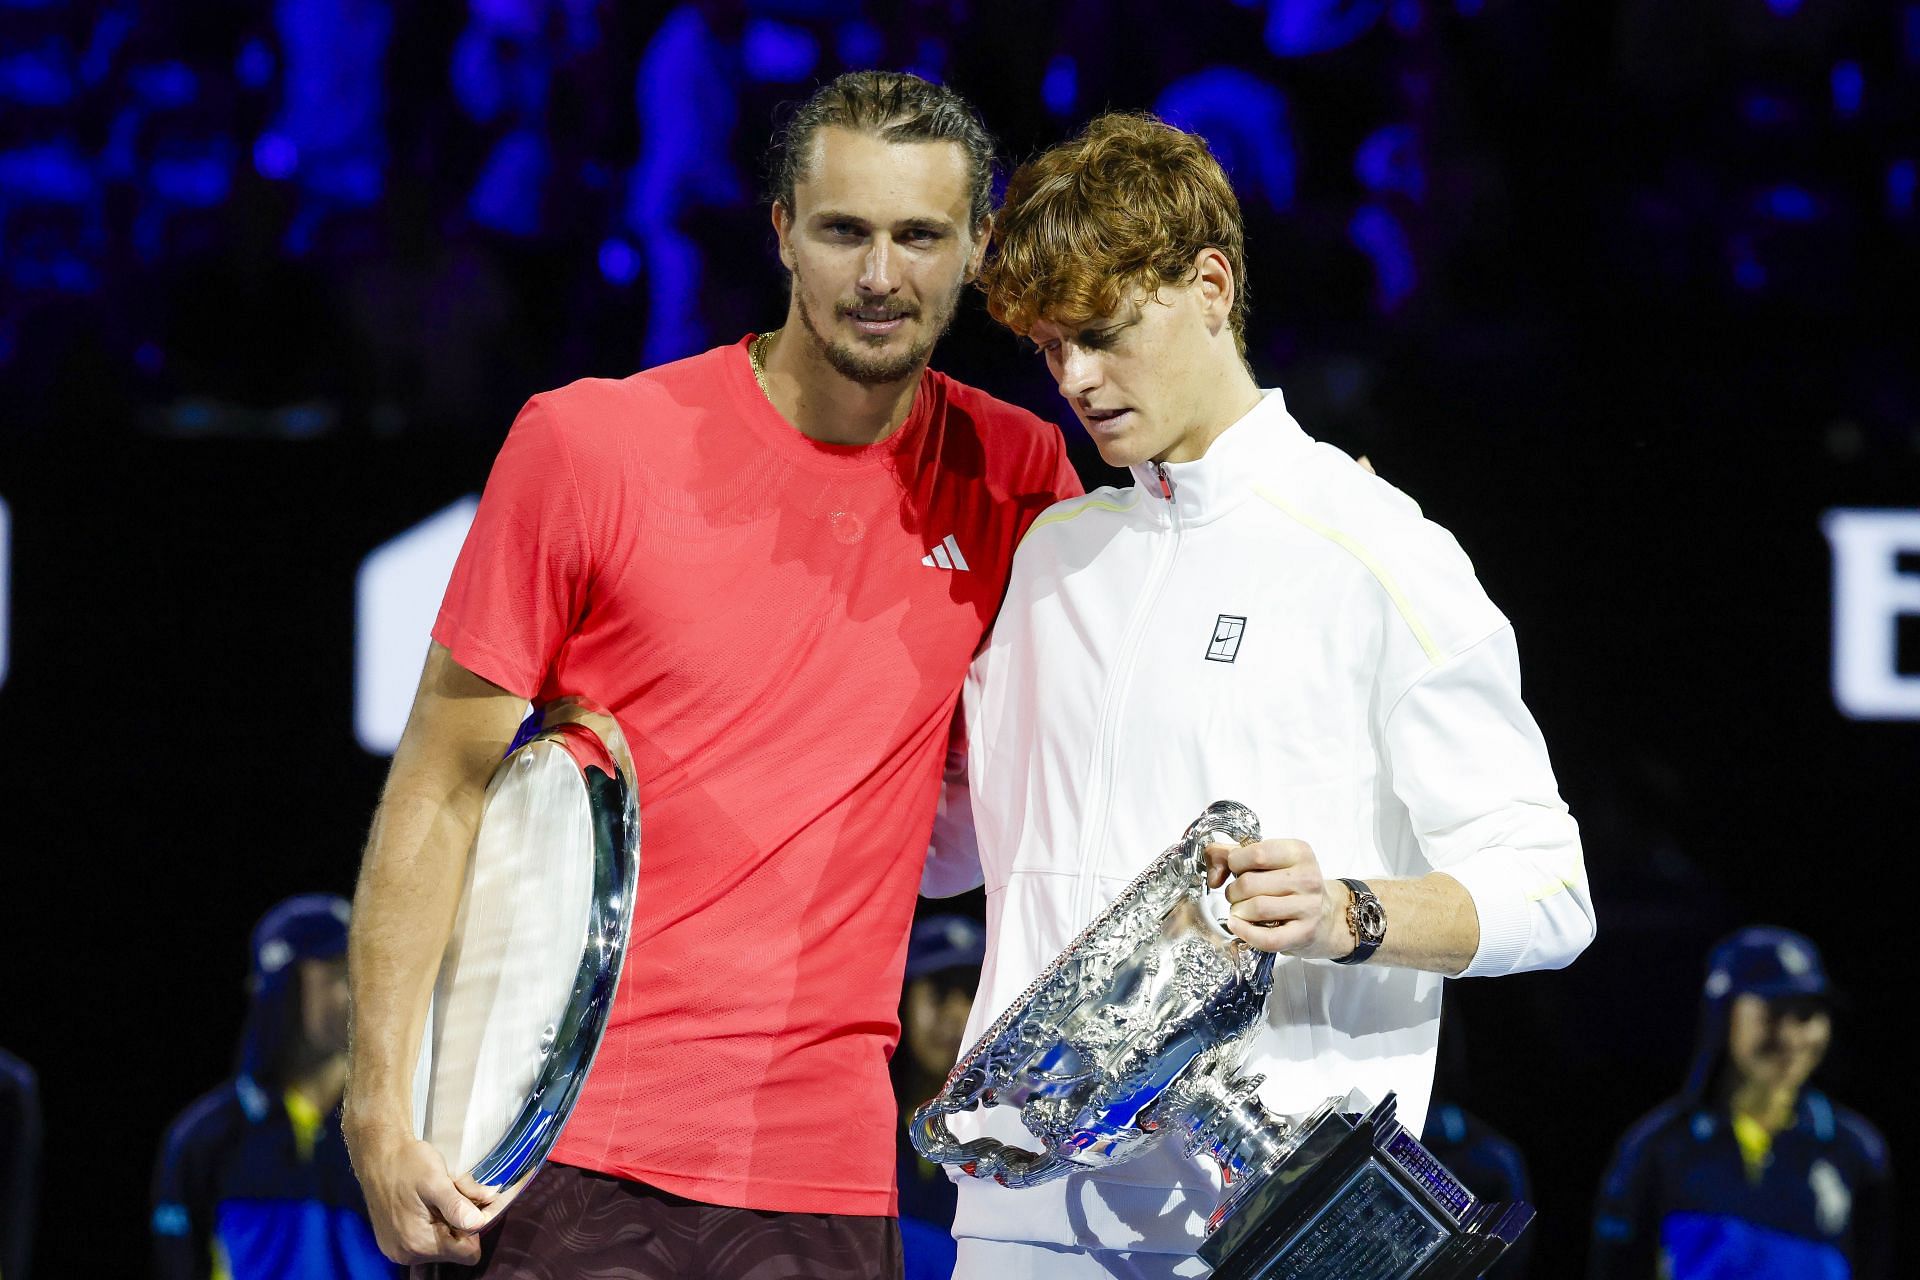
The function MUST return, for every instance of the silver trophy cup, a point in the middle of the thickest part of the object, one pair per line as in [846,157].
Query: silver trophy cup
[528,979]
[1137,1033]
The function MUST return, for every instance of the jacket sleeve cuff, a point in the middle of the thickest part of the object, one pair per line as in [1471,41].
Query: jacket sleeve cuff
[1506,916]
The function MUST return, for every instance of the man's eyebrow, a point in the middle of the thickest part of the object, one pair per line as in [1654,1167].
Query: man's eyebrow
[1105,328]
[919,222]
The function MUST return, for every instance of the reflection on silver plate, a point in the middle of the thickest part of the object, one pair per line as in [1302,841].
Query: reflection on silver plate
[528,979]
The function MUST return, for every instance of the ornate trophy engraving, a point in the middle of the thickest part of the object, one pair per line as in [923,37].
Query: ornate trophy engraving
[528,978]
[1138,1030]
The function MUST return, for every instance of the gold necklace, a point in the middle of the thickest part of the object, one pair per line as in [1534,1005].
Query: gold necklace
[756,352]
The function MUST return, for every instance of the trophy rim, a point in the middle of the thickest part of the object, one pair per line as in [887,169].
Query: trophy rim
[592,739]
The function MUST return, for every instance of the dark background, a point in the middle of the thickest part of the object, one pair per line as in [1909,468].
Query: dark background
[1622,292]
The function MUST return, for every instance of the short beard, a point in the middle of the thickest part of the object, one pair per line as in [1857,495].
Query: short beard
[857,365]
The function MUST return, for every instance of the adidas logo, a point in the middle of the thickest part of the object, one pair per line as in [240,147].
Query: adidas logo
[946,555]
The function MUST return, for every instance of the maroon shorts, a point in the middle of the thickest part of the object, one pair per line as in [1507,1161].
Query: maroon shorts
[570,1222]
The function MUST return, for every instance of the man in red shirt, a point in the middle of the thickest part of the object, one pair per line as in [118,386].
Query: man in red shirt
[772,563]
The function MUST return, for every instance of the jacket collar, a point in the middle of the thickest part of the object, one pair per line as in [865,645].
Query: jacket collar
[1246,452]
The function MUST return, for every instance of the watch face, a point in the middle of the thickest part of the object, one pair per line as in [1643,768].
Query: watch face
[1369,920]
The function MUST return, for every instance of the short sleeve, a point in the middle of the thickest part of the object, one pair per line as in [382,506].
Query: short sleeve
[520,586]
[1047,476]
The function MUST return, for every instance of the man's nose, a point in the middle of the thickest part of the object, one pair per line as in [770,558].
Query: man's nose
[877,273]
[1079,372]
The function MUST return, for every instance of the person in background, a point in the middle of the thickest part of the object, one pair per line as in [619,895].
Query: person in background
[943,969]
[1749,1173]
[19,1163]
[253,1181]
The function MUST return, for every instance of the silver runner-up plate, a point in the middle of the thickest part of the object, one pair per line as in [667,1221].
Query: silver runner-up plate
[528,979]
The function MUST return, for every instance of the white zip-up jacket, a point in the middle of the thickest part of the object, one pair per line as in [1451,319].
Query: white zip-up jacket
[1284,630]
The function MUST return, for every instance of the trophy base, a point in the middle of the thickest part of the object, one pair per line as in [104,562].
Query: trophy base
[1358,1198]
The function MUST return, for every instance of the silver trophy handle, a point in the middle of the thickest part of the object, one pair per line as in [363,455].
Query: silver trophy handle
[1222,818]
[987,1157]
[1018,1057]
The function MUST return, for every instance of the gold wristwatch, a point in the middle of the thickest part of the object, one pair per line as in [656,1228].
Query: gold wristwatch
[1368,920]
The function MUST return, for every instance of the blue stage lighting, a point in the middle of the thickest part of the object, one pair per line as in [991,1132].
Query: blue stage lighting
[1748,271]
[859,44]
[1390,160]
[166,84]
[619,262]
[253,66]
[275,156]
[776,53]
[1060,88]
[930,59]
[1902,177]
[37,77]
[198,175]
[1786,203]
[48,172]
[1849,89]
[1246,122]
[1296,28]
[1761,109]
[506,196]
[1379,235]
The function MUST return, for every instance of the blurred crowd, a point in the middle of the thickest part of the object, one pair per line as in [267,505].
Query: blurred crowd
[355,216]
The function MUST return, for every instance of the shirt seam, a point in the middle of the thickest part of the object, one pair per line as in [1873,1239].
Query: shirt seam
[1447,661]
[579,513]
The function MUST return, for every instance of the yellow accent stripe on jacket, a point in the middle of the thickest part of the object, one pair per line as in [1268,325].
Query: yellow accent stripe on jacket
[1365,557]
[1086,505]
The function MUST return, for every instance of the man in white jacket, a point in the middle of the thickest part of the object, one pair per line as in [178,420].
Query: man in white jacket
[1256,619]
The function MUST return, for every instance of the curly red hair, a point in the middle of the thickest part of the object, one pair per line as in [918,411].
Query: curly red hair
[1119,210]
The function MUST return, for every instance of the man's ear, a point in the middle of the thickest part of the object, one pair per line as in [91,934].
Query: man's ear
[1214,274]
[782,227]
[977,256]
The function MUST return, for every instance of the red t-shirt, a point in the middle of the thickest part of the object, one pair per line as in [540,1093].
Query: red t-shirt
[781,628]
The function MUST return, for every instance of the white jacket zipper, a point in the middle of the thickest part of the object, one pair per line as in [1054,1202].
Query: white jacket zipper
[1093,835]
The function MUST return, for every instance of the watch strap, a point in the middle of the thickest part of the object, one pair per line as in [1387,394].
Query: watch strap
[1367,919]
